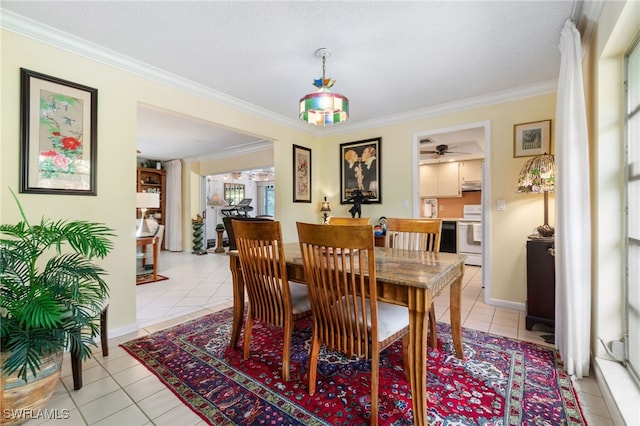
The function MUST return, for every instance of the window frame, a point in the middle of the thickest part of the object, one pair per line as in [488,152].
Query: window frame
[632,212]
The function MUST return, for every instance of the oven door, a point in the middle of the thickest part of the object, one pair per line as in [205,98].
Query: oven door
[470,241]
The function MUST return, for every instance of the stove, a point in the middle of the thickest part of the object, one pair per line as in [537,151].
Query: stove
[470,234]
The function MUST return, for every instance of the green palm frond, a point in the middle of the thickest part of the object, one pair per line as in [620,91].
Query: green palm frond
[27,347]
[79,341]
[51,292]
[41,311]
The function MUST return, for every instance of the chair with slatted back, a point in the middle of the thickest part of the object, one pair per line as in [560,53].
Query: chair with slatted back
[417,234]
[335,220]
[342,319]
[272,298]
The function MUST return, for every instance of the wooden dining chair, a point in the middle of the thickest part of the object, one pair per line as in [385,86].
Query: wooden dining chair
[417,234]
[272,298]
[343,319]
[336,220]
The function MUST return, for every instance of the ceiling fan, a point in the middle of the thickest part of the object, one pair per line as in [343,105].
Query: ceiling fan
[441,150]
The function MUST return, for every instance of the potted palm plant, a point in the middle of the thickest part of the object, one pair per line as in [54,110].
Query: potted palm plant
[50,294]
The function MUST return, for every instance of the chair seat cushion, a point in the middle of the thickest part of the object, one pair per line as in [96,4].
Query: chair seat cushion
[299,298]
[391,318]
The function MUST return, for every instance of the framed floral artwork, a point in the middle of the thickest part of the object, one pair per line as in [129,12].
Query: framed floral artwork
[531,139]
[59,136]
[301,174]
[360,179]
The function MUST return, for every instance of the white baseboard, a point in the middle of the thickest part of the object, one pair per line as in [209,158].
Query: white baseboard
[506,304]
[121,331]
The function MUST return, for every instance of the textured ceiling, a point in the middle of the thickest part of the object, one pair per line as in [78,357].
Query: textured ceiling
[392,59]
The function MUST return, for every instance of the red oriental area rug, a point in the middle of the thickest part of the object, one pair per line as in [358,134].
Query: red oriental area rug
[500,381]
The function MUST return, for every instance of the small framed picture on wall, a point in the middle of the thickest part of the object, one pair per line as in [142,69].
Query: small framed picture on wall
[531,139]
[301,174]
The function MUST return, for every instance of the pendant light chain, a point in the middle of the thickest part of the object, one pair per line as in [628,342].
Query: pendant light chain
[324,60]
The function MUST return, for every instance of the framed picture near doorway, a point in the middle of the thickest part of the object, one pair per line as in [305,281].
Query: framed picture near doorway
[531,139]
[360,171]
[301,174]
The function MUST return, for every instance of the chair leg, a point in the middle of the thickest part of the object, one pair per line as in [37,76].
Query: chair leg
[375,364]
[76,361]
[433,337]
[248,327]
[104,339]
[286,349]
[76,369]
[313,362]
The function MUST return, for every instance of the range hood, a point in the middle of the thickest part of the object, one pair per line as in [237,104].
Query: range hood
[471,185]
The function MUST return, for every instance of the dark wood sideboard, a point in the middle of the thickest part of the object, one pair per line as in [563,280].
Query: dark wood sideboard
[541,282]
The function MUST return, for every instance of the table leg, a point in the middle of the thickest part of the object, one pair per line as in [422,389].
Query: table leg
[454,309]
[155,258]
[238,300]
[143,249]
[419,301]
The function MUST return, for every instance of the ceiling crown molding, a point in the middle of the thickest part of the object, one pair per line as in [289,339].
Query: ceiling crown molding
[26,27]
[457,106]
[42,33]
[233,151]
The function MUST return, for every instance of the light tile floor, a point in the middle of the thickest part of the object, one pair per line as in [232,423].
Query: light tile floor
[119,391]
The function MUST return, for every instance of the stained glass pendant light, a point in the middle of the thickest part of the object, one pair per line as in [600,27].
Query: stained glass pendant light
[324,107]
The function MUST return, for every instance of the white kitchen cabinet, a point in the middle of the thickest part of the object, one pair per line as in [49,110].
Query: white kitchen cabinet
[449,180]
[471,171]
[428,181]
[440,180]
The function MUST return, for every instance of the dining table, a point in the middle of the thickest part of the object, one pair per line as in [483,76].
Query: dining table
[404,277]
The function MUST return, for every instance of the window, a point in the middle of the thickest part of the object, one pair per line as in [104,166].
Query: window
[266,199]
[269,200]
[632,294]
[233,193]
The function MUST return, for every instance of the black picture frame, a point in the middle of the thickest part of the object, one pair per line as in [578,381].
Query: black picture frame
[361,173]
[58,119]
[301,174]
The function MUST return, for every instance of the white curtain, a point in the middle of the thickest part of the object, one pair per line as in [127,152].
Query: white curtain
[573,236]
[173,233]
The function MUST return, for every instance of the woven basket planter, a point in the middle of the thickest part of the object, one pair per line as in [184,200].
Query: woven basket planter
[22,399]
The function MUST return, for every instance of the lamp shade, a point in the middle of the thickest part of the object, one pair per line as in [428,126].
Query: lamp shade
[325,206]
[324,107]
[147,200]
[538,175]
[216,200]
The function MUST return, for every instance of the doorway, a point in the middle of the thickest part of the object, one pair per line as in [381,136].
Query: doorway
[466,143]
[254,186]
